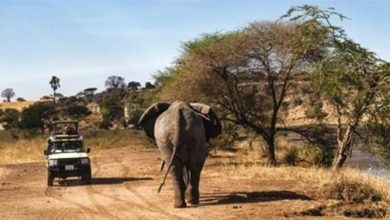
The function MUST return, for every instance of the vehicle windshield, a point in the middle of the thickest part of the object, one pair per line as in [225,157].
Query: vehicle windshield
[66,147]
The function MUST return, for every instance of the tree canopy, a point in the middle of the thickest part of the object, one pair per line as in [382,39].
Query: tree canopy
[115,82]
[248,74]
[8,94]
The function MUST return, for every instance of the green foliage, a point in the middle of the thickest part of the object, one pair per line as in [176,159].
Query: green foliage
[9,117]
[247,72]
[111,106]
[77,111]
[348,76]
[165,77]
[34,116]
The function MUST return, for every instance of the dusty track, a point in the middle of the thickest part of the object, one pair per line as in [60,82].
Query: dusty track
[125,186]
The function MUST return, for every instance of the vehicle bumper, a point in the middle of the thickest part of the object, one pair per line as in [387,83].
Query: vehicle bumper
[60,171]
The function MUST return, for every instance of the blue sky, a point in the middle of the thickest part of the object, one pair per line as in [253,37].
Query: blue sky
[85,41]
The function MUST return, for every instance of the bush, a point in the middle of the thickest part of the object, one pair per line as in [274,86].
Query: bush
[77,111]
[34,116]
[316,155]
[9,117]
[290,156]
[352,192]
[20,99]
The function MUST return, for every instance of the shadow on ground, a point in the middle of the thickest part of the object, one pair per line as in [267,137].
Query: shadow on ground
[250,197]
[102,181]
[116,180]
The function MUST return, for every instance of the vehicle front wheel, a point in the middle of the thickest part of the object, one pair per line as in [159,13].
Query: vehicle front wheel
[87,178]
[50,178]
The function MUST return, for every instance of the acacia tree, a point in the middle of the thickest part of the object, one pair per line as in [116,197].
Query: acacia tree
[349,77]
[90,92]
[8,94]
[133,85]
[115,82]
[248,73]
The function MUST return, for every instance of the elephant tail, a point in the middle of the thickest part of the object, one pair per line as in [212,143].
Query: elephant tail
[176,144]
[169,167]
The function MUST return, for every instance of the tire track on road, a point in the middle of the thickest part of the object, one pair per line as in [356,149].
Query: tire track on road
[90,192]
[62,213]
[154,208]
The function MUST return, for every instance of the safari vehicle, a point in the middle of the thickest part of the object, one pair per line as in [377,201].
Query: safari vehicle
[65,153]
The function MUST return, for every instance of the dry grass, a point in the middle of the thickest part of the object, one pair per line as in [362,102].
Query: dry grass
[31,150]
[348,192]
[319,178]
[16,105]
[20,151]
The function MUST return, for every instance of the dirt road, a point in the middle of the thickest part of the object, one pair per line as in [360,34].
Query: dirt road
[124,186]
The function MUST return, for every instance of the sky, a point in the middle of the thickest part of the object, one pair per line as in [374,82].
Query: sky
[85,41]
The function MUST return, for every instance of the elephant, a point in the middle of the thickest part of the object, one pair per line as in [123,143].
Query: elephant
[182,131]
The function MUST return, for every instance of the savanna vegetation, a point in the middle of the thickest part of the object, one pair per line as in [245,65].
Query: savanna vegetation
[294,91]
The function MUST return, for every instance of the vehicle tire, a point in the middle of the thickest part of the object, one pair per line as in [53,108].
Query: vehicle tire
[87,178]
[50,178]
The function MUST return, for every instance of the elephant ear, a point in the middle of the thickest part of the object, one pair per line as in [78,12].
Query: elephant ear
[212,123]
[150,115]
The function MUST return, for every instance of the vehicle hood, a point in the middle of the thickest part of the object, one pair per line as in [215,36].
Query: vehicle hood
[68,155]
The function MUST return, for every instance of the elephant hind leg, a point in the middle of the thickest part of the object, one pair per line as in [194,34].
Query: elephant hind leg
[178,184]
[192,192]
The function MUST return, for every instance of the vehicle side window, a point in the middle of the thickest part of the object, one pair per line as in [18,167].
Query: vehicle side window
[50,147]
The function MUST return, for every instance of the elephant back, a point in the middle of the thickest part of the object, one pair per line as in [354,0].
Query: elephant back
[211,121]
[150,115]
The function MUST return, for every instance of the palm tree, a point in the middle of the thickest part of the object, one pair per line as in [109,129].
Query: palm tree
[55,84]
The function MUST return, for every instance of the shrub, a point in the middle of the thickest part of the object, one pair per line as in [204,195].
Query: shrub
[20,99]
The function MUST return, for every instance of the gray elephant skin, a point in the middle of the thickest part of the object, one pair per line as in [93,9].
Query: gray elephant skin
[182,131]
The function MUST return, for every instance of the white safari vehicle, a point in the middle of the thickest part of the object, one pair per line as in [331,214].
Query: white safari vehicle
[66,155]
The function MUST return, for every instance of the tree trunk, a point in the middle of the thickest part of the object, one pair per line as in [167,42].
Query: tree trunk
[344,148]
[54,98]
[271,151]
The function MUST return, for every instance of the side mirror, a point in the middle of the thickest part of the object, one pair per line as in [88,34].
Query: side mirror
[45,152]
[88,150]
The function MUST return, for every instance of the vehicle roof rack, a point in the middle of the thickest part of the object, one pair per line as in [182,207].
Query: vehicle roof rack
[71,126]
